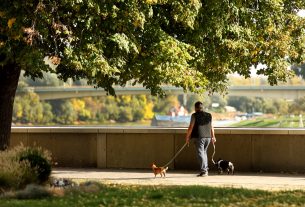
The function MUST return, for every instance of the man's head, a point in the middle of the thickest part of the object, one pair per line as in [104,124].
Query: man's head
[198,106]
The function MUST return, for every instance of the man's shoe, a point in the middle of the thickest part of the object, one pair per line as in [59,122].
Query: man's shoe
[203,174]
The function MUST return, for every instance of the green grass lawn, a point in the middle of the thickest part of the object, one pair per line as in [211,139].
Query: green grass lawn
[281,122]
[117,195]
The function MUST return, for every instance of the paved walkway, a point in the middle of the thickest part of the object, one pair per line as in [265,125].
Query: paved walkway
[263,181]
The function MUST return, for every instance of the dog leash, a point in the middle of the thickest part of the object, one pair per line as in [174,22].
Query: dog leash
[183,148]
[176,155]
[213,153]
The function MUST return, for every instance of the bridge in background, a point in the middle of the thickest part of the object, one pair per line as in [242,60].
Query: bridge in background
[51,93]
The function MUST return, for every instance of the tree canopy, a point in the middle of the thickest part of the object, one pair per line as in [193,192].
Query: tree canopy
[190,44]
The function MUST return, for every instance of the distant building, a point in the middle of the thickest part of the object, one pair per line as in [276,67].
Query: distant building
[230,109]
[170,121]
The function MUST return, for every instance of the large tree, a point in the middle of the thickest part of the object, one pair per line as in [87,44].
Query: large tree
[186,43]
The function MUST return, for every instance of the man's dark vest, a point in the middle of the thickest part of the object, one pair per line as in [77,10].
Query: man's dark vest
[201,118]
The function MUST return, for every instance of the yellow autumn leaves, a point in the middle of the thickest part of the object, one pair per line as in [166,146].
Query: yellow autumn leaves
[10,22]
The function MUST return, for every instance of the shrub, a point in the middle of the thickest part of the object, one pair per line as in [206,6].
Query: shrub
[17,168]
[13,173]
[38,163]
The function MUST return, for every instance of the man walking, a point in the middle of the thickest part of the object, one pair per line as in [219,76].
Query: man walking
[202,132]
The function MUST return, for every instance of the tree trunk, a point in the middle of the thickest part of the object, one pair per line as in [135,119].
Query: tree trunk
[9,76]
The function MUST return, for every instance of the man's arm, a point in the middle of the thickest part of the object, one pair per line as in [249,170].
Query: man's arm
[189,130]
[213,134]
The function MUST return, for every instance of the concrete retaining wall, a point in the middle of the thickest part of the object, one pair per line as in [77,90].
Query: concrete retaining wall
[268,150]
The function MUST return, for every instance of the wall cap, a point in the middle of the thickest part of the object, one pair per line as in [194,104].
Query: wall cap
[157,130]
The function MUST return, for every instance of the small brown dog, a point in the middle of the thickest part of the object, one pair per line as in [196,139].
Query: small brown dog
[159,170]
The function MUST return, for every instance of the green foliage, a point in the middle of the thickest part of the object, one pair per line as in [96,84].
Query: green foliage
[63,111]
[125,114]
[265,105]
[192,99]
[219,100]
[298,106]
[29,109]
[163,105]
[134,108]
[16,173]
[38,163]
[49,79]
[188,44]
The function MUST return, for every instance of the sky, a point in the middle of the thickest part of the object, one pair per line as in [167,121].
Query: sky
[301,13]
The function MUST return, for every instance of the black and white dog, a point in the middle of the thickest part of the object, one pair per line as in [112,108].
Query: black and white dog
[224,166]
